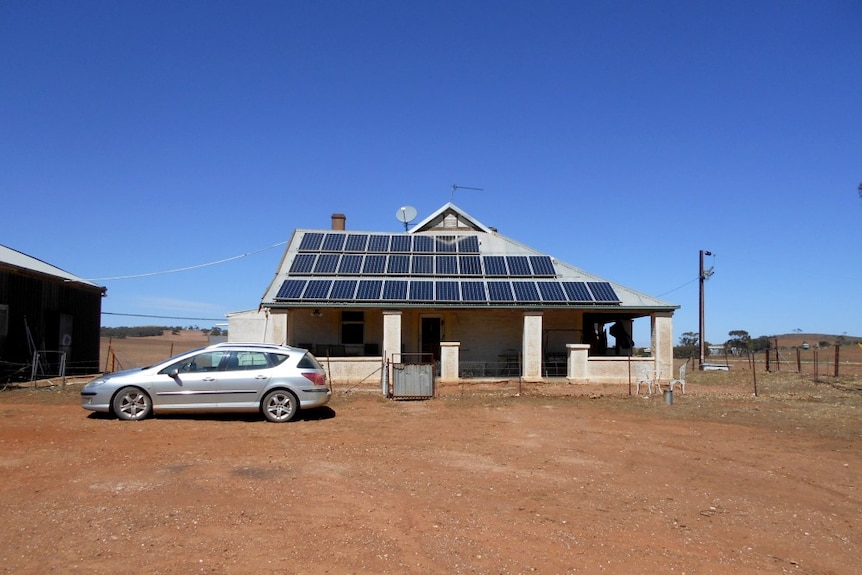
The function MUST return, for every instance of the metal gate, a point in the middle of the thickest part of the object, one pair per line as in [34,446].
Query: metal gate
[413,379]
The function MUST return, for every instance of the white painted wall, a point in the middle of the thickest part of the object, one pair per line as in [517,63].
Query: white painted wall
[257,327]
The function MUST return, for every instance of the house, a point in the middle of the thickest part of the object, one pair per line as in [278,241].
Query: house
[48,310]
[457,293]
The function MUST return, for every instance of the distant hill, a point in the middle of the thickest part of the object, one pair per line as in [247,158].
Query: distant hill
[813,339]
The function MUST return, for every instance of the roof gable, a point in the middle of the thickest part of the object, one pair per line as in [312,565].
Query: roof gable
[450,218]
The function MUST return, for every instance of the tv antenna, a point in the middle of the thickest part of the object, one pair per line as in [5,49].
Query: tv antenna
[457,187]
[405,215]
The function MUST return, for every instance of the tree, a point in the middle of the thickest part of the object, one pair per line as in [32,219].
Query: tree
[739,339]
[689,345]
[760,344]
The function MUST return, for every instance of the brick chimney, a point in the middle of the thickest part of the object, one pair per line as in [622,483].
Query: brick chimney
[338,221]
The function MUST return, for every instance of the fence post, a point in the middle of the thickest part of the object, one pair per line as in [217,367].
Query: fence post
[837,347]
[798,361]
[753,372]
[777,357]
[108,355]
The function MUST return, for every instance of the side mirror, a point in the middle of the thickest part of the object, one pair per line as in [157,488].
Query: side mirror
[174,373]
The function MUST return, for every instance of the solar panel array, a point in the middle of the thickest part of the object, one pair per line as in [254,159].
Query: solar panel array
[463,291]
[410,268]
[453,265]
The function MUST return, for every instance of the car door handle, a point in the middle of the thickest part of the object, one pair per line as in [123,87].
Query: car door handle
[260,377]
[209,379]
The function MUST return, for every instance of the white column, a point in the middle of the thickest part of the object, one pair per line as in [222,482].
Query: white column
[531,352]
[391,345]
[662,343]
[578,368]
[449,358]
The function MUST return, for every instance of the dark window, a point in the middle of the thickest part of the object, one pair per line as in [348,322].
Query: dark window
[352,327]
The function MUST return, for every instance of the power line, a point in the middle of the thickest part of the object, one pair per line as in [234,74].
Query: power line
[187,268]
[678,288]
[162,316]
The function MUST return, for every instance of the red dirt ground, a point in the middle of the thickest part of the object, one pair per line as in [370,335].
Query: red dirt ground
[557,479]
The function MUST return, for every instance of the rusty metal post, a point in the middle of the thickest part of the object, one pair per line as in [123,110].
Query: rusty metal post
[837,352]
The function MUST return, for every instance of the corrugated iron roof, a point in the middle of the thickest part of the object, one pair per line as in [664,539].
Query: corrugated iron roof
[22,261]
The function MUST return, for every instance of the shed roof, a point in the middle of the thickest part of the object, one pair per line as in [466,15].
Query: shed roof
[448,260]
[21,261]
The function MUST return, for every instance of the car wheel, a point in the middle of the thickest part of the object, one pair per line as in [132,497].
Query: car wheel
[131,404]
[280,405]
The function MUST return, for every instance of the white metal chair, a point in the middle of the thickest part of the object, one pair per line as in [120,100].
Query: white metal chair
[647,376]
[681,380]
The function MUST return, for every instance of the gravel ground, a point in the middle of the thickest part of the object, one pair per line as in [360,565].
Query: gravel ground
[498,478]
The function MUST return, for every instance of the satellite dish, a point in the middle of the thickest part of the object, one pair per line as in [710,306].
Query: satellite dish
[405,215]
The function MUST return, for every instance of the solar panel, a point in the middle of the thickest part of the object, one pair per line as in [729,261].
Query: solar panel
[448,291]
[526,291]
[470,265]
[356,243]
[401,243]
[519,265]
[421,291]
[577,291]
[543,266]
[468,244]
[291,289]
[317,289]
[423,244]
[473,291]
[398,265]
[311,242]
[603,291]
[369,289]
[445,244]
[302,264]
[334,242]
[395,289]
[326,264]
[446,265]
[422,265]
[350,264]
[500,291]
[374,264]
[378,244]
[551,291]
[342,290]
[495,266]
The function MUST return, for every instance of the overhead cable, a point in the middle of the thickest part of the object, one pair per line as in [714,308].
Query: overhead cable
[134,276]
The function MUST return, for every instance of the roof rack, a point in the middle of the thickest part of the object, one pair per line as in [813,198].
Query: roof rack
[251,344]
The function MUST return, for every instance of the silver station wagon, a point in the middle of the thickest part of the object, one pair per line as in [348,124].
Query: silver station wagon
[274,380]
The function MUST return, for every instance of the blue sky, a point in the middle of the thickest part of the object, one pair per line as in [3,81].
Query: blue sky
[621,137]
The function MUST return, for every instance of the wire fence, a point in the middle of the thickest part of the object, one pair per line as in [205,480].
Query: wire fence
[819,363]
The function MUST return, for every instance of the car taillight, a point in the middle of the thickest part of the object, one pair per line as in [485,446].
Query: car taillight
[315,377]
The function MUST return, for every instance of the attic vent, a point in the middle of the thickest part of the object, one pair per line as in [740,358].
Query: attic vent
[451,221]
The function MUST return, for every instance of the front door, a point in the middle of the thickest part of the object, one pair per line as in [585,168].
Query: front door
[430,337]
[194,386]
